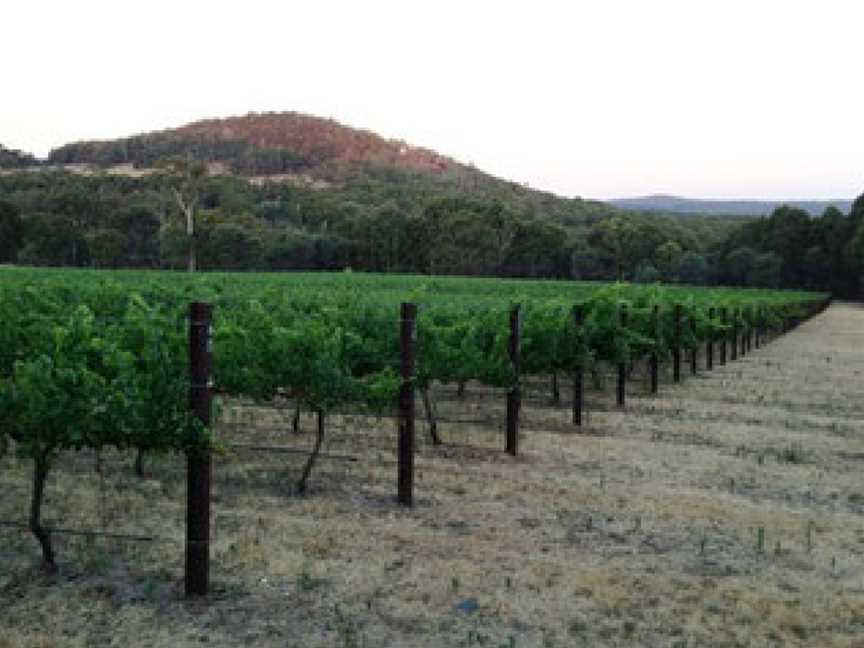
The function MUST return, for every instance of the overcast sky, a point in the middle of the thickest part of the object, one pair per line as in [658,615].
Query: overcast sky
[605,98]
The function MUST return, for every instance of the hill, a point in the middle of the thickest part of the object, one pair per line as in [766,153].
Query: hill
[292,191]
[14,159]
[305,150]
[677,205]
[258,143]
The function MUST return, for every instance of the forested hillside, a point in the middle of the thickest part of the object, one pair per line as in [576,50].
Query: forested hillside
[13,159]
[288,191]
[308,151]
[399,222]
[259,144]
[750,208]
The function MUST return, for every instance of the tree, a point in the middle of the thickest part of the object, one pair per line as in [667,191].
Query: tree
[646,273]
[502,224]
[791,231]
[139,223]
[47,240]
[538,249]
[856,212]
[854,248]
[585,262]
[184,178]
[766,270]
[692,268]
[78,210]
[10,232]
[815,268]
[391,227]
[738,264]
[667,256]
[855,255]
[617,236]
[233,247]
[834,234]
[107,248]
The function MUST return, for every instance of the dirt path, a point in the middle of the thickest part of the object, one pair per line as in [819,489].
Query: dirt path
[728,511]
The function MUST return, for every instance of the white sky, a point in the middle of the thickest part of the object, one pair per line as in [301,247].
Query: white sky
[601,98]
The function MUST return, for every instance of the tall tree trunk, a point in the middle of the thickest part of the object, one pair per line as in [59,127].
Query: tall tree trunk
[40,473]
[193,252]
[307,469]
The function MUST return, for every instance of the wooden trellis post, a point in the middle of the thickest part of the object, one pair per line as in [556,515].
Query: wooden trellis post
[407,340]
[198,461]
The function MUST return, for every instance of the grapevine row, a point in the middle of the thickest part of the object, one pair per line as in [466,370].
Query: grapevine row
[103,362]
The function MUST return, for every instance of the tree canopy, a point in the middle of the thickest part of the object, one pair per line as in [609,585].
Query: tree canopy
[400,221]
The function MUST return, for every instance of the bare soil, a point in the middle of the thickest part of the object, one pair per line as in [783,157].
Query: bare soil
[727,511]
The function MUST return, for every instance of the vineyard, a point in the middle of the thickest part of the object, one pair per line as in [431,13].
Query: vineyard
[95,379]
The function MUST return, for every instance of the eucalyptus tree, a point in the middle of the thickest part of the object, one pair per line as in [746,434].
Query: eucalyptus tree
[183,177]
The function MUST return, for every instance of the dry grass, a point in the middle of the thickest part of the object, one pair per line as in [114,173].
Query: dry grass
[642,529]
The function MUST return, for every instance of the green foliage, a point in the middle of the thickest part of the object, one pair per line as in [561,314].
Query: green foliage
[92,360]
[791,249]
[99,359]
[67,394]
[333,339]
[10,232]
[692,268]
[77,381]
[455,345]
[291,191]
[646,274]
[667,256]
[365,217]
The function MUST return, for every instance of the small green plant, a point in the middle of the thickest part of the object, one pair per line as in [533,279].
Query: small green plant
[305,581]
[346,629]
[150,589]
[793,454]
[88,553]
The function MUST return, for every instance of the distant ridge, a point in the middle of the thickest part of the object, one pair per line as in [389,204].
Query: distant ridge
[678,205]
[15,159]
